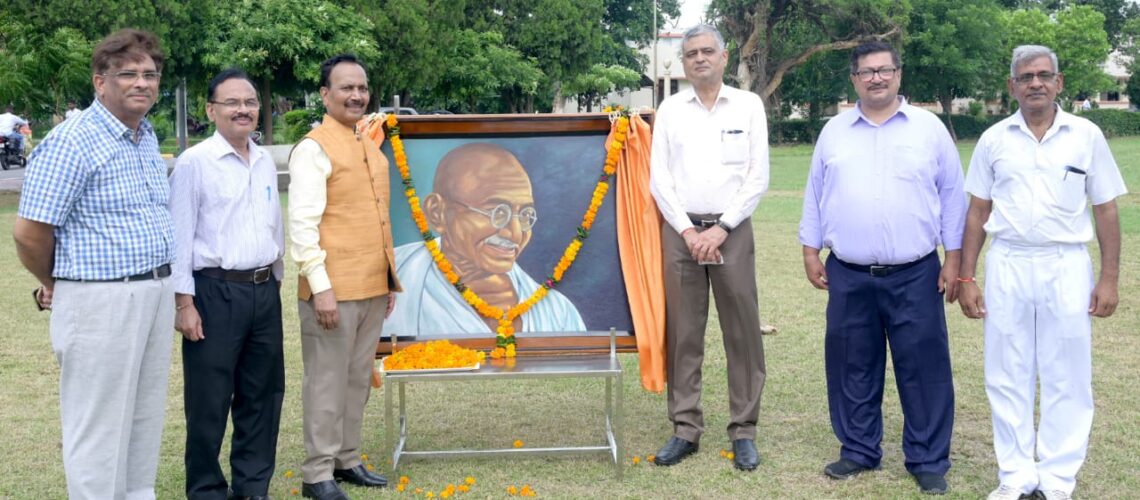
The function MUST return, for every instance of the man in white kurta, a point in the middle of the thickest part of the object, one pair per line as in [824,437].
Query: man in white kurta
[432,307]
[1030,180]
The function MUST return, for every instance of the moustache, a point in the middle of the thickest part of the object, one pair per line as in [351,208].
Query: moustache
[239,116]
[500,242]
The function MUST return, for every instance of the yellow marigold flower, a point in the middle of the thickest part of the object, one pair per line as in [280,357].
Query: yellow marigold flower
[469,480]
[636,460]
[510,350]
[401,487]
[512,490]
[391,120]
[363,457]
[518,443]
[429,495]
[730,455]
[288,474]
[463,488]
[294,492]
[369,467]
[651,458]
[450,487]
[444,494]
[404,480]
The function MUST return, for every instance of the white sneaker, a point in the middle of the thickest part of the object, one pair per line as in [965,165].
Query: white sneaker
[1056,495]
[1005,492]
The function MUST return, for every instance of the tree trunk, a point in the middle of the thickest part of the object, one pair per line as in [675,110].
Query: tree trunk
[556,105]
[266,111]
[947,101]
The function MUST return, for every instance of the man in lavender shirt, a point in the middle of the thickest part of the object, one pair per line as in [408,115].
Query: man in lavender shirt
[885,189]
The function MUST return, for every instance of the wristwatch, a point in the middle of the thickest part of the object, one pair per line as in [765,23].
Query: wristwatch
[723,225]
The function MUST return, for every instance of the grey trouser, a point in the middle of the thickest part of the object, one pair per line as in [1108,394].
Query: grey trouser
[686,316]
[112,341]
[338,376]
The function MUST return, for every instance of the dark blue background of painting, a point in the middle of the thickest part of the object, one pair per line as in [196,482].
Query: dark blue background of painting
[563,172]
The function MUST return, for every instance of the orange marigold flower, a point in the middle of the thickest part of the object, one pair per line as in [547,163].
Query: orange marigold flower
[651,458]
[518,443]
[636,460]
[463,488]
[469,480]
[369,467]
[404,480]
[723,452]
[444,494]
[512,490]
[391,120]
[401,487]
[294,492]
[419,490]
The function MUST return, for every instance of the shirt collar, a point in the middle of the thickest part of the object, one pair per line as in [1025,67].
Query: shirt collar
[904,109]
[220,148]
[1060,119]
[721,94]
[113,125]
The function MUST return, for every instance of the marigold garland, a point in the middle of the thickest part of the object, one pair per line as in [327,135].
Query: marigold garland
[505,332]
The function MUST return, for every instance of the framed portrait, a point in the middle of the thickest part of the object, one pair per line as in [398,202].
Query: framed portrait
[505,194]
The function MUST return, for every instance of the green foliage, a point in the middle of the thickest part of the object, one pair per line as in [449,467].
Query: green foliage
[1114,122]
[484,74]
[592,87]
[1082,47]
[42,71]
[971,126]
[1133,87]
[953,50]
[298,122]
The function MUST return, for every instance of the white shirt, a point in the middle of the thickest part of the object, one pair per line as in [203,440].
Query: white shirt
[227,213]
[709,161]
[309,171]
[9,122]
[431,308]
[1040,190]
[71,112]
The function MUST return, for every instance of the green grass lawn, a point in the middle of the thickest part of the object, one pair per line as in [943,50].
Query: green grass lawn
[795,438]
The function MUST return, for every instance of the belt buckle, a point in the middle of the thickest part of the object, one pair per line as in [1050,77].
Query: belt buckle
[261,275]
[706,223]
[879,271]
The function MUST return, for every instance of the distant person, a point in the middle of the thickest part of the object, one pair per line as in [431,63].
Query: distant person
[230,241]
[10,125]
[883,192]
[1087,105]
[94,229]
[482,207]
[708,170]
[72,111]
[1030,181]
[342,242]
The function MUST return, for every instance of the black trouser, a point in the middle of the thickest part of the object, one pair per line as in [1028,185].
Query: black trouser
[239,365]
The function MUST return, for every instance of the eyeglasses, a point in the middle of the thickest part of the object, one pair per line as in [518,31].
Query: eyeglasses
[235,103]
[1044,76]
[501,215]
[133,76]
[867,75]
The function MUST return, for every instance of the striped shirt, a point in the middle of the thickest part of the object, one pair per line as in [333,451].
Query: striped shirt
[227,213]
[106,194]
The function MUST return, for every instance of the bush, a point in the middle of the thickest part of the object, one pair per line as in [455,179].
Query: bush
[299,122]
[794,131]
[162,127]
[1114,122]
[970,126]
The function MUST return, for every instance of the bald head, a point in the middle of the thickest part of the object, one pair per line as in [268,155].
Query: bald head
[466,168]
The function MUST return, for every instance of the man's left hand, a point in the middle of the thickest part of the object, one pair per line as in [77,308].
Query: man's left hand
[948,279]
[1104,299]
[707,246]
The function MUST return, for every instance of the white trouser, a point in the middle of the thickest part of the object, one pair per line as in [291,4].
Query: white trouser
[1038,325]
[112,341]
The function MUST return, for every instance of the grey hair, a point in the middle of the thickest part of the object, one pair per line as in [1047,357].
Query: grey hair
[1025,53]
[703,29]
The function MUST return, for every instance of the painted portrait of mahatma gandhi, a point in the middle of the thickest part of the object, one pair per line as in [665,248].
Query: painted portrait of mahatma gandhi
[483,209]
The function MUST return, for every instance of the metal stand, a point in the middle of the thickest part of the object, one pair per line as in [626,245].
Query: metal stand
[524,367]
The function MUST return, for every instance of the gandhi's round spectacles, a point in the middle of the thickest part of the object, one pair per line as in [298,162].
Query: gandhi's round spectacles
[501,214]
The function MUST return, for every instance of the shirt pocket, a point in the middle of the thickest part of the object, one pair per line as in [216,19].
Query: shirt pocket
[911,164]
[734,145]
[1065,181]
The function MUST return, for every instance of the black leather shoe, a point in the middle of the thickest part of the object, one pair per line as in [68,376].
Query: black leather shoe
[845,468]
[674,451]
[324,490]
[744,455]
[360,476]
[931,483]
[251,497]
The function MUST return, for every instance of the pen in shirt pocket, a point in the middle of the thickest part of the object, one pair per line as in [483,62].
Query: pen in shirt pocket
[268,194]
[1075,170]
[730,133]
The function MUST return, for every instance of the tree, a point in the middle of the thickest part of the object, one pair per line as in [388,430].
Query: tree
[770,37]
[284,42]
[818,83]
[954,50]
[482,74]
[602,79]
[1082,47]
[411,36]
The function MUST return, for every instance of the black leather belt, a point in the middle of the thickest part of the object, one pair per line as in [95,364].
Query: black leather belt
[881,271]
[159,272]
[705,222]
[255,276]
